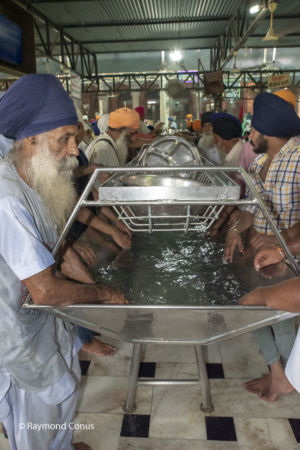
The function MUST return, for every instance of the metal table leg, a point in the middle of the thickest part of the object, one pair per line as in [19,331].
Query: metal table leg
[129,406]
[206,404]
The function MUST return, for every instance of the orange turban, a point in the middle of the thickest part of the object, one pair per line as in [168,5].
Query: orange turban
[189,116]
[124,118]
[196,125]
[287,95]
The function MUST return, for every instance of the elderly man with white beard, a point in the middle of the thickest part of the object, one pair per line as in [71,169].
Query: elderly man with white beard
[111,148]
[39,369]
[206,144]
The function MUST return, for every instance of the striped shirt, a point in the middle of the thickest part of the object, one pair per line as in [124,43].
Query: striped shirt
[280,191]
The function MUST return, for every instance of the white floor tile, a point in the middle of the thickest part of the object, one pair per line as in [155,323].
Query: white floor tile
[266,434]
[173,371]
[108,395]
[231,399]
[106,432]
[176,413]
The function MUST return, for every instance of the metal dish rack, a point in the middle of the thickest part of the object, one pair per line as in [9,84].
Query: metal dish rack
[170,324]
[160,208]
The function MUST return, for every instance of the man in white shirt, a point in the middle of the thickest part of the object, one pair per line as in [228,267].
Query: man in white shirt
[110,149]
[39,369]
[206,144]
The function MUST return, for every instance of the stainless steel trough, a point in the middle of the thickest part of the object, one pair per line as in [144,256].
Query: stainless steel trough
[176,324]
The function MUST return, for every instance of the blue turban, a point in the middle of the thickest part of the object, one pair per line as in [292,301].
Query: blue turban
[226,126]
[33,105]
[206,117]
[273,116]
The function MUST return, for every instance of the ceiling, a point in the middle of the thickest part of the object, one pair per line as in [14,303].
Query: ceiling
[107,26]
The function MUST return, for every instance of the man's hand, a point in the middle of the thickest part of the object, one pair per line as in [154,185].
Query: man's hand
[122,239]
[266,256]
[233,240]
[122,227]
[214,228]
[254,297]
[46,289]
[234,217]
[261,240]
[111,295]
[86,252]
[225,214]
[73,267]
[102,176]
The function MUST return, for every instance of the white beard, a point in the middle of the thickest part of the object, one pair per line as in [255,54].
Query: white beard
[52,179]
[207,141]
[122,145]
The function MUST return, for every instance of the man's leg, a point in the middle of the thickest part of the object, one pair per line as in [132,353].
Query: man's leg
[284,335]
[265,340]
[66,411]
[27,412]
[275,343]
[91,345]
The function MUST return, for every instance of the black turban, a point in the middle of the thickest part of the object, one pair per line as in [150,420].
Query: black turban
[206,117]
[273,116]
[226,126]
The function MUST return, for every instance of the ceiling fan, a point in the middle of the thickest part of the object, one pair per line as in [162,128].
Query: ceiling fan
[271,35]
[175,89]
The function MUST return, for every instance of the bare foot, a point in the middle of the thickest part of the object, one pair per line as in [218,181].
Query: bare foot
[81,446]
[98,348]
[279,386]
[259,386]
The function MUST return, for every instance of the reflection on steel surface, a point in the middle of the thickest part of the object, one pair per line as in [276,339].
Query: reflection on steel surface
[170,151]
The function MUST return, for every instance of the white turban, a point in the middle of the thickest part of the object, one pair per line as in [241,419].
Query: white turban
[103,123]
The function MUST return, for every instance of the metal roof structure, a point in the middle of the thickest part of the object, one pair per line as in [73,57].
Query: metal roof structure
[108,26]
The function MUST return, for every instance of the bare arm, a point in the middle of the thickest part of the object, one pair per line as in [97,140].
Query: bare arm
[268,250]
[292,238]
[81,171]
[46,289]
[233,238]
[112,216]
[87,217]
[284,296]
[215,227]
[73,267]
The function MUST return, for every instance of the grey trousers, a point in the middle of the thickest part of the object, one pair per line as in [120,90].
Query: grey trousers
[276,341]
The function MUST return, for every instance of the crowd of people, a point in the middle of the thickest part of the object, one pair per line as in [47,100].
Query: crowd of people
[46,145]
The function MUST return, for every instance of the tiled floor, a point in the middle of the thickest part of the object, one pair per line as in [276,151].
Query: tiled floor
[169,417]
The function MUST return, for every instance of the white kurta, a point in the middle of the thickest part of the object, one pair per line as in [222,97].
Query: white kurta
[39,368]
[292,369]
[232,158]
